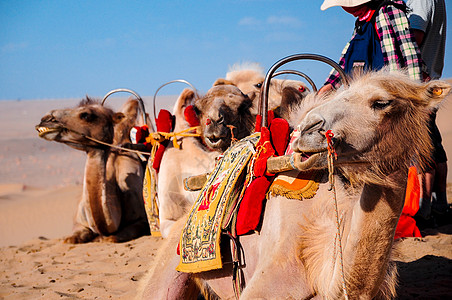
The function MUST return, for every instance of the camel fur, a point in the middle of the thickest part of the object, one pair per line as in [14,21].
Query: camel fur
[380,128]
[111,207]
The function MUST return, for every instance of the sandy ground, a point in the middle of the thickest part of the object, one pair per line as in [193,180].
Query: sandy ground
[40,184]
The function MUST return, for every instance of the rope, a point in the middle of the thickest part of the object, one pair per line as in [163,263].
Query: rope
[332,155]
[158,137]
[153,138]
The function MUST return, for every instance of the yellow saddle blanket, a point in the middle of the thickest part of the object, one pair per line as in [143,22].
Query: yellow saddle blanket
[200,238]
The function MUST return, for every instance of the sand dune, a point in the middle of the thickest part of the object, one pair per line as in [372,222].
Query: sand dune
[40,183]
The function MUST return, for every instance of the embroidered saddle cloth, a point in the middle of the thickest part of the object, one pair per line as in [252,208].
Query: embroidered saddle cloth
[200,238]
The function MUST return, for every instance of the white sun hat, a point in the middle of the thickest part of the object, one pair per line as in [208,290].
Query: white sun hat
[347,3]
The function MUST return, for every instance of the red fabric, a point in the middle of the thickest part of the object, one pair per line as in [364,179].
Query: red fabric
[265,149]
[190,116]
[279,129]
[406,227]
[141,132]
[270,117]
[252,204]
[164,123]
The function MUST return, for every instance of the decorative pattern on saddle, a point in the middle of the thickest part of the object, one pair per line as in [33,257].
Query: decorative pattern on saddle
[200,238]
[150,199]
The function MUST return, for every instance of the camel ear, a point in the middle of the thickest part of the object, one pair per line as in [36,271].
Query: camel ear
[185,99]
[291,97]
[222,81]
[252,95]
[118,117]
[436,91]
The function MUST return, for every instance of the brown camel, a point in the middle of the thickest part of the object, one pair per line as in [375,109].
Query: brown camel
[223,106]
[111,207]
[380,128]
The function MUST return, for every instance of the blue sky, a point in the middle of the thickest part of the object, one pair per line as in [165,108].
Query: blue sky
[69,49]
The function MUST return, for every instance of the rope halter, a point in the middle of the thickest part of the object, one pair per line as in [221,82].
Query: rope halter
[332,155]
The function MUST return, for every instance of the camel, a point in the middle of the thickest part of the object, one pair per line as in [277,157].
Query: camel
[111,208]
[222,106]
[380,127]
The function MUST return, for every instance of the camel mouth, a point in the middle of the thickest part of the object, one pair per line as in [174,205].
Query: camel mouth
[311,160]
[309,156]
[215,142]
[44,131]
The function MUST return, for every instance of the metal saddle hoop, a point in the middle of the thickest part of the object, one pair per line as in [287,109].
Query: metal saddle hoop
[165,84]
[301,74]
[263,107]
[140,101]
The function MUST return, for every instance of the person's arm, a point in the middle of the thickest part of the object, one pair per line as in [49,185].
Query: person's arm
[397,42]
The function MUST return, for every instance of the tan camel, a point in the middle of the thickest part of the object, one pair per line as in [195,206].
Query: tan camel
[111,207]
[380,127]
[222,106]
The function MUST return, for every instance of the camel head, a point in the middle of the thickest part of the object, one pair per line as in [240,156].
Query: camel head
[71,126]
[249,77]
[224,113]
[379,122]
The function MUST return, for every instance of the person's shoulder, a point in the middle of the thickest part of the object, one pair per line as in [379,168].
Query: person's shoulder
[393,9]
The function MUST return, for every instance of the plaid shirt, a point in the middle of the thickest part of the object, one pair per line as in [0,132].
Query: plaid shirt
[397,44]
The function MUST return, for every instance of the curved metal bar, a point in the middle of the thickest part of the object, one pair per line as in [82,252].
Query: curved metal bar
[165,84]
[263,107]
[294,72]
[131,92]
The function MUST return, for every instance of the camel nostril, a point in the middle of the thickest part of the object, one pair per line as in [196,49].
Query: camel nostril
[314,123]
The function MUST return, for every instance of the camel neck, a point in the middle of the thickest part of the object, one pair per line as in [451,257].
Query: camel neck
[94,186]
[371,234]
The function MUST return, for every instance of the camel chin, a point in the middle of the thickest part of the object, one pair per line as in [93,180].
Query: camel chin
[217,144]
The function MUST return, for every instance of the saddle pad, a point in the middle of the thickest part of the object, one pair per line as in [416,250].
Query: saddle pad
[200,238]
[295,184]
[150,199]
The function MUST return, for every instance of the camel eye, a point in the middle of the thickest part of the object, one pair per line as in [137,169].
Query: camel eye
[86,116]
[258,85]
[381,104]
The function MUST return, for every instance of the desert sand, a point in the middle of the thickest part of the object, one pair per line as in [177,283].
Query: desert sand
[40,184]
